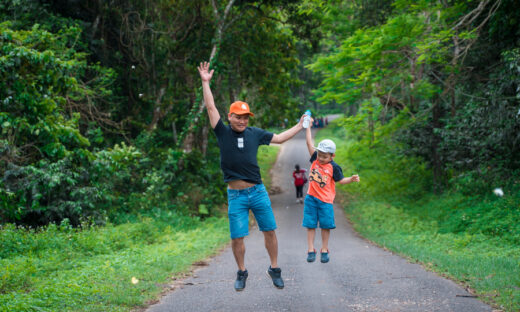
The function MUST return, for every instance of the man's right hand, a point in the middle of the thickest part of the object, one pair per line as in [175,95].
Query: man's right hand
[209,102]
[205,73]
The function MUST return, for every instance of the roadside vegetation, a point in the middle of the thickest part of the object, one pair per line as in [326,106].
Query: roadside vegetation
[109,268]
[115,267]
[468,233]
[267,156]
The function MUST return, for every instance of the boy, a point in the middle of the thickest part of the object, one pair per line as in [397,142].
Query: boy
[318,208]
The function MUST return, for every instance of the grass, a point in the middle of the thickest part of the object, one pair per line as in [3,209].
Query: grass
[63,269]
[267,155]
[109,268]
[472,238]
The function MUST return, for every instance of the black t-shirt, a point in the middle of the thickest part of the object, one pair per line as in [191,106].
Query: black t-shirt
[238,152]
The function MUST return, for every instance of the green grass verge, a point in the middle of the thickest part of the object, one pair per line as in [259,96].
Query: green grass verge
[472,238]
[267,155]
[64,269]
[488,265]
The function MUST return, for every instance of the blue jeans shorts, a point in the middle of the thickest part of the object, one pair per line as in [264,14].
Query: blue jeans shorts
[239,203]
[315,211]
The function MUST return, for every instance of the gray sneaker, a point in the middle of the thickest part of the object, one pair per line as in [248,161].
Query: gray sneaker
[276,276]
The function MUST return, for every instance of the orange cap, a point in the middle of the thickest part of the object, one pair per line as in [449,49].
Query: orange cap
[240,108]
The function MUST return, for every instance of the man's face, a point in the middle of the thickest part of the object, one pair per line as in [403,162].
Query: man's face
[324,158]
[238,122]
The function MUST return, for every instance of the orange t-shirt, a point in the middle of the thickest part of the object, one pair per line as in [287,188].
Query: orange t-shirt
[323,178]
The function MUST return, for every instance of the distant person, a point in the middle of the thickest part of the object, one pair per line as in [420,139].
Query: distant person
[318,207]
[326,121]
[300,178]
[238,145]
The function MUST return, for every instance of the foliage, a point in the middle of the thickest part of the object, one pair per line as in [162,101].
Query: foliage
[38,75]
[77,82]
[110,183]
[493,116]
[412,61]
[267,156]
[58,267]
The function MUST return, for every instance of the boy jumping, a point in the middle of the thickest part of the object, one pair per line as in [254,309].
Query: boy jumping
[318,206]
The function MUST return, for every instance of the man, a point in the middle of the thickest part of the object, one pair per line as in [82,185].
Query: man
[238,159]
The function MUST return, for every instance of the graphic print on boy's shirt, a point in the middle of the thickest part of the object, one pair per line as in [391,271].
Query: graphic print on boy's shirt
[316,176]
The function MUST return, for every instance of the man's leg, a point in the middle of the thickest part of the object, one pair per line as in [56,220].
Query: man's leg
[238,213]
[271,244]
[261,207]
[239,251]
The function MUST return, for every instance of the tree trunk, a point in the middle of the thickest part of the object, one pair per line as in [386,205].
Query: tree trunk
[157,113]
[221,25]
[204,147]
[436,161]
[174,133]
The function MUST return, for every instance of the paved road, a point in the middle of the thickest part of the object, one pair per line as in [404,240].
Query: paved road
[359,277]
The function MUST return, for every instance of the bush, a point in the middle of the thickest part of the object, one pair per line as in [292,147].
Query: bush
[111,184]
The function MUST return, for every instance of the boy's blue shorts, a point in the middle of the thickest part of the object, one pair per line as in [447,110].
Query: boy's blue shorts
[239,203]
[314,211]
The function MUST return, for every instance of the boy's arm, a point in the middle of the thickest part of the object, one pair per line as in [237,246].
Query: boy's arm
[205,76]
[308,139]
[354,178]
[289,133]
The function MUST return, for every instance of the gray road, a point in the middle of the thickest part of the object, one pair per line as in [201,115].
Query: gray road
[359,277]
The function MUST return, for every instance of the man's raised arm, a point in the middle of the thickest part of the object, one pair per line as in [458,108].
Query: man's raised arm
[289,133]
[205,76]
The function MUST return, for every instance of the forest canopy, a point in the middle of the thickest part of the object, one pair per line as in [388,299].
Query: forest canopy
[102,114]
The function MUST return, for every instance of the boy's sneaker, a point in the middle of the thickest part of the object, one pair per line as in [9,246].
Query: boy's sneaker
[276,276]
[324,257]
[311,256]
[240,283]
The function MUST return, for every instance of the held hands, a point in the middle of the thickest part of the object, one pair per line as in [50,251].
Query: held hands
[205,73]
[300,123]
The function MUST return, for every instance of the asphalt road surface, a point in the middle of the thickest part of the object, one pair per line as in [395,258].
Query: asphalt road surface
[359,276]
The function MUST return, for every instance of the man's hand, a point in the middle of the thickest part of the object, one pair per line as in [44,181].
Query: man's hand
[354,178]
[205,73]
[209,102]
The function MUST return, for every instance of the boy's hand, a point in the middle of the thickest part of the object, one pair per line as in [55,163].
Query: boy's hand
[354,178]
[204,72]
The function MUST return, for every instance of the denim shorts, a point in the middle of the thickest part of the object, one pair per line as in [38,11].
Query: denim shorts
[314,211]
[239,204]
